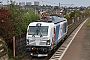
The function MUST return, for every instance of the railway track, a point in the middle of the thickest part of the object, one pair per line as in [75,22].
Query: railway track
[55,55]
[63,48]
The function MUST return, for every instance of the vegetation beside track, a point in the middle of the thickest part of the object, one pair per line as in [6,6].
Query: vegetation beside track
[88,24]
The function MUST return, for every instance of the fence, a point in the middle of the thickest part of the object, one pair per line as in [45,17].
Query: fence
[19,44]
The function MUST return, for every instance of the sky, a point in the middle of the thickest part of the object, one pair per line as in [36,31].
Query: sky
[56,2]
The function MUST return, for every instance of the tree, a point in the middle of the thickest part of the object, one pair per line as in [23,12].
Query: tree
[72,14]
[16,17]
[27,17]
[6,26]
[77,13]
[87,11]
[21,18]
[67,16]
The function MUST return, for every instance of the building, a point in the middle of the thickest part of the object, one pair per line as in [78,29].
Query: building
[21,3]
[36,3]
[28,3]
[59,5]
[1,5]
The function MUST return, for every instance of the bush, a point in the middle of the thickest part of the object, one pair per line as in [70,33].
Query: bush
[88,25]
[26,17]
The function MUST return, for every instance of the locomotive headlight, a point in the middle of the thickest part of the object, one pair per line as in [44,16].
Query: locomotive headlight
[27,41]
[48,42]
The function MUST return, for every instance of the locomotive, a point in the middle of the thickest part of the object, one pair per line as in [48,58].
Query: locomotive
[44,34]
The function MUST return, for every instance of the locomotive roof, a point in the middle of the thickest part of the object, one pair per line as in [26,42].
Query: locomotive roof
[52,19]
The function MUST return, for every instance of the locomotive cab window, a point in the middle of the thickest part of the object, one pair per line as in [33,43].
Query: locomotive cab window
[38,30]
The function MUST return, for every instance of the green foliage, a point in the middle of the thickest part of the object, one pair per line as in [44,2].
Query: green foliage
[87,12]
[67,16]
[69,25]
[21,18]
[88,24]
[15,16]
[77,13]
[72,14]
[25,18]
[29,16]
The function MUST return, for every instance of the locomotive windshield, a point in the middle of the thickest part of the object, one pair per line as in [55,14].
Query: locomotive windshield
[38,30]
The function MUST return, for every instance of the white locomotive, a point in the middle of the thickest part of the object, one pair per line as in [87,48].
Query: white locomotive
[44,35]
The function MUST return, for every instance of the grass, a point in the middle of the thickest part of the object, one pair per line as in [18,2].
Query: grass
[69,25]
[88,25]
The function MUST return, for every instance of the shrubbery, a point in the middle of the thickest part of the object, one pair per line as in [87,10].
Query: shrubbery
[14,21]
[24,19]
[21,18]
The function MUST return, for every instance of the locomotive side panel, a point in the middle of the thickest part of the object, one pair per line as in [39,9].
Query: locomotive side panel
[61,31]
